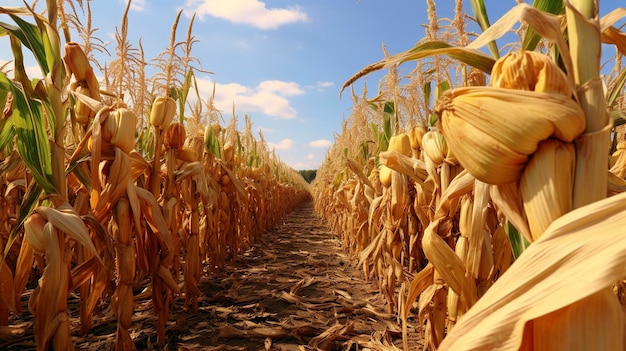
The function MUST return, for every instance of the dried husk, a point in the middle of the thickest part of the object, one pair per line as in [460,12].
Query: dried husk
[546,185]
[162,112]
[522,294]
[488,128]
[530,71]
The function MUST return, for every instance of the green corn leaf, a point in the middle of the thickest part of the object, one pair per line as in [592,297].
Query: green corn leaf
[531,38]
[7,132]
[480,13]
[32,139]
[184,92]
[31,37]
[80,172]
[518,242]
[427,92]
[442,88]
[6,128]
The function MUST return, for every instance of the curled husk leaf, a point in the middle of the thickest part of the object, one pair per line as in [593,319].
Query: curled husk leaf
[493,131]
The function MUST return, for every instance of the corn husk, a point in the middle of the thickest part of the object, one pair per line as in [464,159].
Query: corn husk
[174,136]
[415,138]
[618,160]
[530,71]
[546,185]
[399,143]
[522,294]
[434,146]
[78,65]
[493,131]
[162,112]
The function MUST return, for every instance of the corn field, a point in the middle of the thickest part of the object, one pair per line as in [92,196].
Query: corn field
[482,192]
[108,182]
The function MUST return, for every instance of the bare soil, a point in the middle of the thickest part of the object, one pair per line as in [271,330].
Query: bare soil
[293,290]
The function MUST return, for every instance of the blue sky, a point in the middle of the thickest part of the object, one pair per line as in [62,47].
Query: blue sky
[281,62]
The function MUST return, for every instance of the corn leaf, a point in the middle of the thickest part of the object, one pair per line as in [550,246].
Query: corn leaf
[30,36]
[32,140]
[6,127]
[69,222]
[480,13]
[30,200]
[579,254]
[470,56]
[531,38]
[616,89]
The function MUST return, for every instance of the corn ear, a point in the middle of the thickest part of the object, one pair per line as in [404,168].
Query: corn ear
[415,138]
[530,71]
[488,128]
[162,112]
[125,122]
[78,64]
[401,144]
[174,136]
[434,146]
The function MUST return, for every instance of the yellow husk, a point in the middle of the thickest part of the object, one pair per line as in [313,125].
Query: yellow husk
[162,112]
[488,128]
[546,185]
[399,143]
[522,294]
[531,71]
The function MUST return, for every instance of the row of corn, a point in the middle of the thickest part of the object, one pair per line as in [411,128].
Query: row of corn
[94,202]
[437,208]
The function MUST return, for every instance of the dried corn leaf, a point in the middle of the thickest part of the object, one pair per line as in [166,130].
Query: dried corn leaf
[67,220]
[581,253]
[545,24]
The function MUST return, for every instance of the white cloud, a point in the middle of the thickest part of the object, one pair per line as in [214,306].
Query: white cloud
[138,5]
[251,12]
[32,71]
[310,157]
[320,143]
[304,165]
[269,97]
[321,86]
[284,144]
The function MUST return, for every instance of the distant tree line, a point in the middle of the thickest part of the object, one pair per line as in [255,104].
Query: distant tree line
[308,175]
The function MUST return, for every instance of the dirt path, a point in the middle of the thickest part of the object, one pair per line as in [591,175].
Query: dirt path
[294,290]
